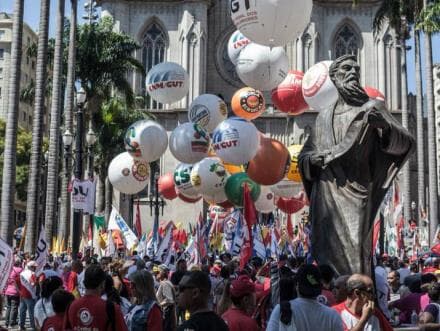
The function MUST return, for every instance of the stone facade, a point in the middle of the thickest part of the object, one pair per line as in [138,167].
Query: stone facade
[197,32]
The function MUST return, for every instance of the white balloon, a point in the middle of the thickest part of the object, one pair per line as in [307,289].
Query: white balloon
[318,89]
[182,180]
[286,188]
[209,176]
[167,82]
[265,202]
[146,139]
[271,22]
[189,143]
[236,140]
[236,43]
[215,198]
[262,67]
[208,111]
[128,175]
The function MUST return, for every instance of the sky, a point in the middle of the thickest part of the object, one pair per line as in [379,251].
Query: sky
[32,14]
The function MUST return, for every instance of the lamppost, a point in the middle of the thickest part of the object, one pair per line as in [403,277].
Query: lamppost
[78,170]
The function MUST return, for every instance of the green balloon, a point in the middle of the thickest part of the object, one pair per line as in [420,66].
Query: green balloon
[234,188]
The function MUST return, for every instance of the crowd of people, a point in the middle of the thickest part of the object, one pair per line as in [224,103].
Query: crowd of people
[138,293]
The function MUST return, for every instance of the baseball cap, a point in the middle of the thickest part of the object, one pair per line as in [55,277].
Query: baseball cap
[309,281]
[32,264]
[241,286]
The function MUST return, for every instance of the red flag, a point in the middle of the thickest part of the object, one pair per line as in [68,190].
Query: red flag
[290,227]
[138,225]
[376,233]
[250,218]
[436,249]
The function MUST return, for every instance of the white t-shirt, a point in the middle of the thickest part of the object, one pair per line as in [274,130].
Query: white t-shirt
[42,310]
[307,314]
[351,320]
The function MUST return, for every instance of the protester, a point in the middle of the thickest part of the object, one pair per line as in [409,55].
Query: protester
[91,311]
[396,289]
[27,290]
[306,313]
[43,308]
[194,289]
[358,312]
[112,295]
[327,274]
[166,296]
[12,294]
[430,318]
[61,300]
[145,314]
[340,288]
[411,302]
[242,292]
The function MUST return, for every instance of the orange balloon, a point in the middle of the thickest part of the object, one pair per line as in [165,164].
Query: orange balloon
[270,164]
[248,103]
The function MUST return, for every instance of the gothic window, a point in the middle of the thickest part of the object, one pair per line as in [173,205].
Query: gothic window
[154,47]
[307,42]
[346,42]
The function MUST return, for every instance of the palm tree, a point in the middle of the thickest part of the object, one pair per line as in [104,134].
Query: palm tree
[429,22]
[400,15]
[55,113]
[8,180]
[64,221]
[32,208]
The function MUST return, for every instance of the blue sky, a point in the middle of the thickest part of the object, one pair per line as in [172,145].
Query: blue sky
[31,17]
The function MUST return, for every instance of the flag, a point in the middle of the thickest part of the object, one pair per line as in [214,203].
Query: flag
[42,251]
[99,221]
[164,245]
[258,246]
[250,218]
[138,225]
[290,227]
[376,233]
[116,222]
[6,262]
[201,238]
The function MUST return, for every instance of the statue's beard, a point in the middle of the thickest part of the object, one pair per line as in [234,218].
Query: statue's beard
[352,92]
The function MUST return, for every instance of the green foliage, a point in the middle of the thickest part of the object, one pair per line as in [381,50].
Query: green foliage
[24,143]
[429,18]
[111,122]
[103,59]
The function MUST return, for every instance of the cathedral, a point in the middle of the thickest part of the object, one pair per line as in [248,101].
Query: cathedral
[195,34]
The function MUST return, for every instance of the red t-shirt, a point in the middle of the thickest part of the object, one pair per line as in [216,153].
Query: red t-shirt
[237,320]
[154,320]
[90,312]
[54,323]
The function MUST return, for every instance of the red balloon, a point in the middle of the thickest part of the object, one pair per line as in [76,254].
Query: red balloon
[374,93]
[166,186]
[271,163]
[188,199]
[288,96]
[290,205]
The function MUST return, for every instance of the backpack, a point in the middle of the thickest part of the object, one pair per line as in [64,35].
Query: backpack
[137,316]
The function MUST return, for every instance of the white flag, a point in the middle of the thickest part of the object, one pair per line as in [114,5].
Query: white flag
[83,195]
[110,250]
[6,261]
[116,222]
[42,251]
[165,245]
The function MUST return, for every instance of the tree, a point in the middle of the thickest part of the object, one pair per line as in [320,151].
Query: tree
[429,23]
[400,15]
[9,166]
[32,214]
[54,135]
[111,123]
[64,221]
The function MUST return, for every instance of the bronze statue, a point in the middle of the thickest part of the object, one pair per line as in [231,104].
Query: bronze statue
[347,165]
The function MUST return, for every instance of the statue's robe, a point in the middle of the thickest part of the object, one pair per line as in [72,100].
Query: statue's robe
[346,193]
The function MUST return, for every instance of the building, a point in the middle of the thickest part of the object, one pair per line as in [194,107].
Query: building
[195,34]
[28,66]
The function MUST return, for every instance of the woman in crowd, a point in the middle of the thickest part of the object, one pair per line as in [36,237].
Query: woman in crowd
[12,294]
[111,294]
[145,314]
[61,301]
[43,308]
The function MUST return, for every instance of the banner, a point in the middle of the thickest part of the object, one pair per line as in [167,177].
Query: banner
[165,245]
[42,251]
[116,222]
[6,262]
[83,195]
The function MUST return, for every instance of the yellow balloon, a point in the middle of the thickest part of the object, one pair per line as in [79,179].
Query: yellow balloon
[293,173]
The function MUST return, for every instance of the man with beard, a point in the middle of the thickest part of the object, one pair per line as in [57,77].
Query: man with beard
[347,166]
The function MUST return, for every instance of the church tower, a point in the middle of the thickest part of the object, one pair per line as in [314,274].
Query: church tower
[195,33]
